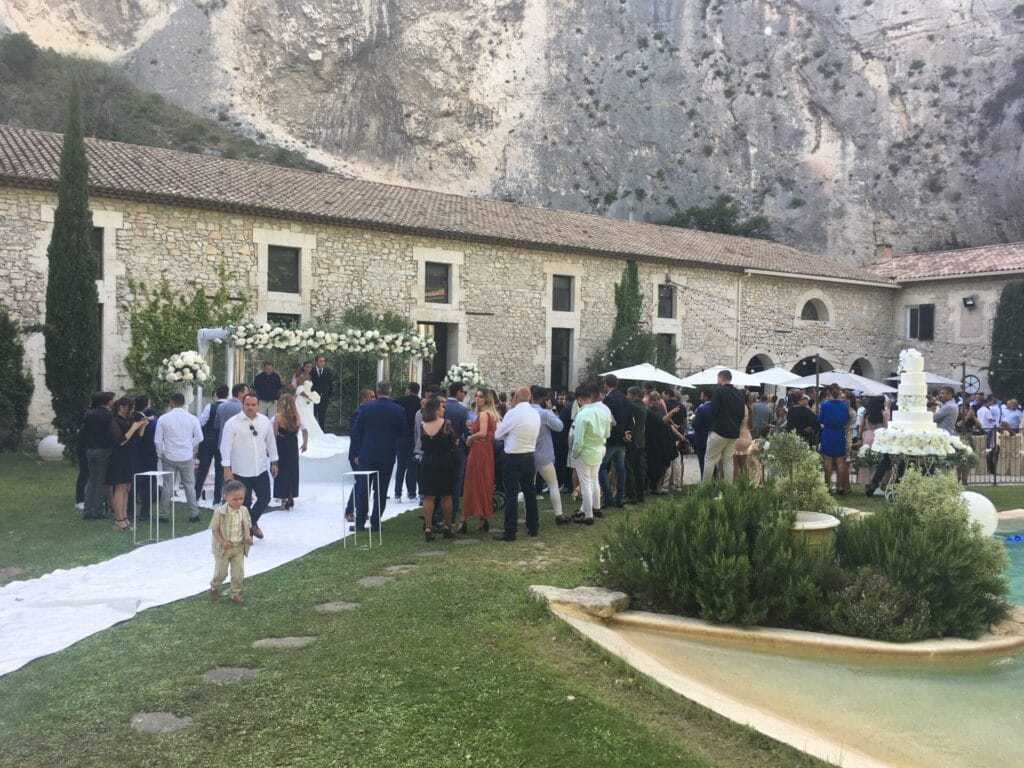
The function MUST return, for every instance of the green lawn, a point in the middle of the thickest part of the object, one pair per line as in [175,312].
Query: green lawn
[450,665]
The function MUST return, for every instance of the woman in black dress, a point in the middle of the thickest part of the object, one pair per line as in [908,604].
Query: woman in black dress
[437,469]
[123,463]
[287,426]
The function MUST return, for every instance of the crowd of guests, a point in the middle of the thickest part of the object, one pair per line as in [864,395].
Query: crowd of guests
[460,459]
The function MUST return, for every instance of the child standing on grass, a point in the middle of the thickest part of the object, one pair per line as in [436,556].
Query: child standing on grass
[232,537]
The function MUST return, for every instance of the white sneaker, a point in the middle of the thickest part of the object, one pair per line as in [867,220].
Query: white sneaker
[80,505]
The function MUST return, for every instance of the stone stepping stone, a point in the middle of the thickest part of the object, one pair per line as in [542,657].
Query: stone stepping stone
[284,642]
[338,607]
[375,581]
[400,569]
[463,542]
[431,553]
[159,722]
[229,674]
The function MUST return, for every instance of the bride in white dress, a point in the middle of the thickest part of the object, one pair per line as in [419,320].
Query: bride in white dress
[320,444]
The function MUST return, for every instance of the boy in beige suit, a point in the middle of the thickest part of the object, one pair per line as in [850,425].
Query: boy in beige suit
[232,537]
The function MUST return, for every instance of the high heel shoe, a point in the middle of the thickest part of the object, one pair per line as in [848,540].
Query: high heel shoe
[446,532]
[428,534]
[122,525]
[484,527]
[462,528]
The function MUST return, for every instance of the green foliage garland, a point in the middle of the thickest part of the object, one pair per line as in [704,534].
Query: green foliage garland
[71,330]
[1006,368]
[164,322]
[16,392]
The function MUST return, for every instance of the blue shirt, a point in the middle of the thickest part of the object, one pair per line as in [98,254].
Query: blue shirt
[544,452]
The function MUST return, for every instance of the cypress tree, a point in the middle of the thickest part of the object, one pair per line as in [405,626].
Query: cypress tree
[72,330]
[1006,368]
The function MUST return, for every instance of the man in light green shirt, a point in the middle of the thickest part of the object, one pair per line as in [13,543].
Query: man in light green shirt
[590,431]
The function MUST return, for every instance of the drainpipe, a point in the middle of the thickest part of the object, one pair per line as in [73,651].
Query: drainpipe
[739,317]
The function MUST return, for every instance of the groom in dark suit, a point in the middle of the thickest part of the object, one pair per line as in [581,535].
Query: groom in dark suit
[323,384]
[375,435]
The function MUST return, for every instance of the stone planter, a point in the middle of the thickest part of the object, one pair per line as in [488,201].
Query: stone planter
[814,528]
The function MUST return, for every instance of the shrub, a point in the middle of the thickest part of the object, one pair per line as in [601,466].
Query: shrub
[925,544]
[17,389]
[723,553]
[795,470]
[872,606]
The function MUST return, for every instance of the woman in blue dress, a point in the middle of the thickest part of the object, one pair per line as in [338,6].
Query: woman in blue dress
[833,416]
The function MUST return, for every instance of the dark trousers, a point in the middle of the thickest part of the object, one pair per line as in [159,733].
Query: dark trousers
[518,474]
[209,454]
[83,474]
[617,454]
[406,467]
[362,493]
[320,412]
[460,477]
[96,486]
[260,485]
[700,450]
[636,472]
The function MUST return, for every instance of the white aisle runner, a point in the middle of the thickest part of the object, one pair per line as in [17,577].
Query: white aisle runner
[45,615]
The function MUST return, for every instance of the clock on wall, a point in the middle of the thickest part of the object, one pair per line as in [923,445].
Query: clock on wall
[972,384]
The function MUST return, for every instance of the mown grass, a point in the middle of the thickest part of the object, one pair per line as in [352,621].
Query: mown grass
[449,665]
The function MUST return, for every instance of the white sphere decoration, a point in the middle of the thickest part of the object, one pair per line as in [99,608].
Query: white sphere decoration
[50,448]
[981,510]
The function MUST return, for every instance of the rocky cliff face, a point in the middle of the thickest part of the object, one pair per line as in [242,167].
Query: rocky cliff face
[846,122]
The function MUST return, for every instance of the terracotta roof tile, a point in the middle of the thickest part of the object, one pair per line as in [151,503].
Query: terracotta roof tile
[32,158]
[1004,257]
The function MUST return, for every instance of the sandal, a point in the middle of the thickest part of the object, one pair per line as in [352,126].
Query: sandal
[122,525]
[484,526]
[462,528]
[446,532]
[428,534]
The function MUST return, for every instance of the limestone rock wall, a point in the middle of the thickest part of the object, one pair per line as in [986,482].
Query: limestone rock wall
[847,122]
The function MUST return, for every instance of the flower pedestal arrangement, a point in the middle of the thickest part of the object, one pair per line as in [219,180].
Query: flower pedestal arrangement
[468,373]
[185,370]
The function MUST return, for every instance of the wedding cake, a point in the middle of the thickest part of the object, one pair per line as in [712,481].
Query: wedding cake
[912,430]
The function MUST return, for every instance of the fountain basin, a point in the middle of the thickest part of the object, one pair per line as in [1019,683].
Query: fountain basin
[814,528]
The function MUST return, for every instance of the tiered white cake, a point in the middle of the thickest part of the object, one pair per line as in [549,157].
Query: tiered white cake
[912,430]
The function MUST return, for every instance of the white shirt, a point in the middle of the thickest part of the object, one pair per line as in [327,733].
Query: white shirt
[177,435]
[245,453]
[519,429]
[988,417]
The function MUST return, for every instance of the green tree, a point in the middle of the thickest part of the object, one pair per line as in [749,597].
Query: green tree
[72,329]
[165,322]
[16,392]
[1006,368]
[631,342]
[723,215]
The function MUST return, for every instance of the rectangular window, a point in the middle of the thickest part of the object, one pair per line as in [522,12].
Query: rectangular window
[561,293]
[96,240]
[921,322]
[283,318]
[282,269]
[667,301]
[561,357]
[666,351]
[437,283]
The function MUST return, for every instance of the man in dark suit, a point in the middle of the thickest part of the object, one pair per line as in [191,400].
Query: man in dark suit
[702,428]
[615,448]
[323,384]
[375,436]
[728,407]
[410,401]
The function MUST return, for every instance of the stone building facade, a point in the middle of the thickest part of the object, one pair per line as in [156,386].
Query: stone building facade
[527,294]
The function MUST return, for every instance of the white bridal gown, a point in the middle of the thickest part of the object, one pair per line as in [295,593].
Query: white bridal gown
[320,445]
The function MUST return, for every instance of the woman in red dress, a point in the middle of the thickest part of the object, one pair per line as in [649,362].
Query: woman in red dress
[478,487]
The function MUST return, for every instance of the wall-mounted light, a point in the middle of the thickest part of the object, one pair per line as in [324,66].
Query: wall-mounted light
[970,302]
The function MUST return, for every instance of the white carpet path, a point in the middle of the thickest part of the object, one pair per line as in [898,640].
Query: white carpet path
[45,615]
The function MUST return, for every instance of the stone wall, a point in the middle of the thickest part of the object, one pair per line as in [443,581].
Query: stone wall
[500,299]
[963,336]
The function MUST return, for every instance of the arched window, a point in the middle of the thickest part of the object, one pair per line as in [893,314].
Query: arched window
[814,310]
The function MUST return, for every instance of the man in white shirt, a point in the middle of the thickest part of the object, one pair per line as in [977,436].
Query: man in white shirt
[947,412]
[177,436]
[988,417]
[247,446]
[1012,415]
[519,429]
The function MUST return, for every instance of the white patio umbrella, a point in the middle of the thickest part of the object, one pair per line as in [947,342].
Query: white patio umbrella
[933,379]
[844,380]
[646,372]
[709,377]
[774,377]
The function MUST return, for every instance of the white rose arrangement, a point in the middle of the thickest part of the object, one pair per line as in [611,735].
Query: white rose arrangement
[186,367]
[306,390]
[468,373]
